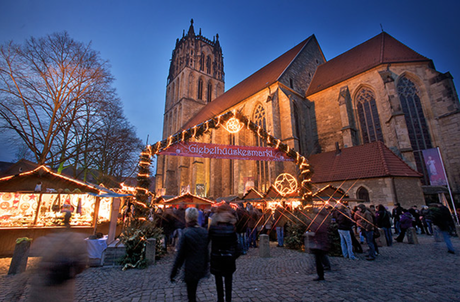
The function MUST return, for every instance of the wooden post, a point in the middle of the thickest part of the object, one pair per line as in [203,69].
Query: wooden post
[113,219]
[21,255]
[96,214]
[37,211]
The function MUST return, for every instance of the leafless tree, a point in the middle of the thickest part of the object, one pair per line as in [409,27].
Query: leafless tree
[55,95]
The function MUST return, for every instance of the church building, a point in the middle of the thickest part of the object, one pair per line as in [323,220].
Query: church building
[380,101]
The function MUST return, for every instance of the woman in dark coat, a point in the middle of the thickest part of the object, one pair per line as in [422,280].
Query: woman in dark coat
[224,250]
[193,250]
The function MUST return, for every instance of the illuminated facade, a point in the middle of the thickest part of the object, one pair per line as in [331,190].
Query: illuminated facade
[380,90]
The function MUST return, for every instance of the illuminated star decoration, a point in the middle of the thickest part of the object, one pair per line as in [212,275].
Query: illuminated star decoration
[285,184]
[233,125]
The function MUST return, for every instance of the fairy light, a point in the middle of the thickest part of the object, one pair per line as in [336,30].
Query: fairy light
[194,132]
[207,126]
[183,134]
[218,121]
[277,143]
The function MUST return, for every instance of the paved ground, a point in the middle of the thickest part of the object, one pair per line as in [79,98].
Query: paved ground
[424,272]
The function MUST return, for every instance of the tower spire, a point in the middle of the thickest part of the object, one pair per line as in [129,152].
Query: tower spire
[191,30]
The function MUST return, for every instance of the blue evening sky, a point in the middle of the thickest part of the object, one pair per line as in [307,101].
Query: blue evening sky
[138,37]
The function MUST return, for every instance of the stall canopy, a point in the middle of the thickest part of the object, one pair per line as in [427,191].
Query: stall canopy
[188,199]
[50,182]
[330,193]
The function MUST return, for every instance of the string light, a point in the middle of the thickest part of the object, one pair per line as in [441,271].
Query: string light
[183,133]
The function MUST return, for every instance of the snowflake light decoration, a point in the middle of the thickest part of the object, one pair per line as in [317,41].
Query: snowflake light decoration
[233,125]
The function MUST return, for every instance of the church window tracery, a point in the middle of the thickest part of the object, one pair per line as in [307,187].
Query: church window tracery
[200,89]
[208,64]
[209,92]
[262,181]
[417,126]
[368,116]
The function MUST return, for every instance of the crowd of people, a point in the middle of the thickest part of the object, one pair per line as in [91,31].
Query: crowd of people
[211,240]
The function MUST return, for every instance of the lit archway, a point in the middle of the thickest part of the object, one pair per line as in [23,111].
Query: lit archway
[232,121]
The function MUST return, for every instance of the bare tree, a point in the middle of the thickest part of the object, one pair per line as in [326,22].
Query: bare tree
[44,87]
[56,97]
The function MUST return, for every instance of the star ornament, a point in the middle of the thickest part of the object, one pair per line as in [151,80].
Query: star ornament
[285,184]
[233,125]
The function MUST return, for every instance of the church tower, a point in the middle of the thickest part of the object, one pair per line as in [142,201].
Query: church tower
[196,78]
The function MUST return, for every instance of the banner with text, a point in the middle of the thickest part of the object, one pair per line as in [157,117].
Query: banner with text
[226,152]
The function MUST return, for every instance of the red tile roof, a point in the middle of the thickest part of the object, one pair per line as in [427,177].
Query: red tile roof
[366,161]
[262,78]
[381,49]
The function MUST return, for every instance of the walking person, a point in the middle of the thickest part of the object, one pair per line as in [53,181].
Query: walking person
[441,217]
[224,250]
[193,251]
[320,242]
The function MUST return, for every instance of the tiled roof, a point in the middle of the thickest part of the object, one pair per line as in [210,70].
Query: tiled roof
[381,49]
[262,78]
[366,161]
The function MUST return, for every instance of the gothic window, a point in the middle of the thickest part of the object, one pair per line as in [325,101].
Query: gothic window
[415,120]
[209,92]
[262,181]
[208,64]
[200,89]
[202,62]
[363,193]
[368,116]
[297,126]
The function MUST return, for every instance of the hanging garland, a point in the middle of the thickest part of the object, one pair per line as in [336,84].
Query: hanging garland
[195,132]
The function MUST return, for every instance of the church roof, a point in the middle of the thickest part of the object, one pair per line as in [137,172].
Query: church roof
[381,49]
[259,80]
[371,160]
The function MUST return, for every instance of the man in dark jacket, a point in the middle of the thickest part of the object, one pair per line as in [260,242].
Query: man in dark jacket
[320,241]
[193,250]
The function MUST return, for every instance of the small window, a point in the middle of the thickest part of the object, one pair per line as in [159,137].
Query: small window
[363,193]
[291,83]
[200,89]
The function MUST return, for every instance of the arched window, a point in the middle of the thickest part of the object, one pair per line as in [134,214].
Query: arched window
[415,120]
[202,62]
[363,193]
[200,89]
[208,64]
[368,116]
[297,126]
[262,178]
[209,92]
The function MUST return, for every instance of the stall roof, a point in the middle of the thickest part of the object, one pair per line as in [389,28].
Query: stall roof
[252,194]
[188,198]
[27,181]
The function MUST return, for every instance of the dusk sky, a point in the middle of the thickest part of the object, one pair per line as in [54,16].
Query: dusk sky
[137,37]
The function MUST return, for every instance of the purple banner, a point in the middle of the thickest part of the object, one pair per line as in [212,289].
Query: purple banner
[433,163]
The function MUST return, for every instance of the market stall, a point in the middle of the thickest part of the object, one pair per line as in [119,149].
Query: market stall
[34,203]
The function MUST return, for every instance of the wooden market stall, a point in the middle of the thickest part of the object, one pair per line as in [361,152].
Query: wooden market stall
[32,205]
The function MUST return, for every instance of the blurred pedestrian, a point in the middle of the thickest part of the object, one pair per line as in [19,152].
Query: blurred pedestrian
[193,251]
[224,250]
[63,257]
[319,242]
[441,217]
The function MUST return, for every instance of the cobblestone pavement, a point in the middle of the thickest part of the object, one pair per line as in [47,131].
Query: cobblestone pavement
[403,272]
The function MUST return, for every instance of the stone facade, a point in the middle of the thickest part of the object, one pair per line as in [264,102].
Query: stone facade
[311,121]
